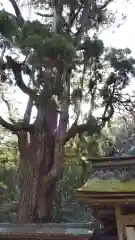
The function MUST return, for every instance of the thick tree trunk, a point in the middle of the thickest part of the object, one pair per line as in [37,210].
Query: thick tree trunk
[36,202]
[36,161]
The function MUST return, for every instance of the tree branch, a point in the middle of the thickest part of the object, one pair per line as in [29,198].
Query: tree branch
[17,68]
[58,8]
[28,110]
[7,125]
[83,22]
[16,127]
[76,129]
[105,4]
[17,10]
[10,112]
[91,126]
[44,15]
[73,16]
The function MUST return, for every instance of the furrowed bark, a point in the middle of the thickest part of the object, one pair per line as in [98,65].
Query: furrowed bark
[37,195]
[36,202]
[23,144]
[62,126]
[44,161]
[28,111]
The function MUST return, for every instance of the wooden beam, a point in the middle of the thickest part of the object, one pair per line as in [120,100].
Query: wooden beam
[130,233]
[128,220]
[107,159]
[120,229]
[113,163]
[101,202]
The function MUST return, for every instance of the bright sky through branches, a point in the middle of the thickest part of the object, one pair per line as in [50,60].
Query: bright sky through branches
[121,37]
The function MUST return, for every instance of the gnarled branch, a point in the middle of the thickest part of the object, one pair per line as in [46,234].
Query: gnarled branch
[9,108]
[16,68]
[16,127]
[83,22]
[105,4]
[8,125]
[73,16]
[17,10]
[91,126]
[76,129]
[44,15]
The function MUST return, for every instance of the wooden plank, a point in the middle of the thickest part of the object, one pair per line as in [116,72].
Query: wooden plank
[130,233]
[96,202]
[128,220]
[111,163]
[106,159]
[120,228]
[108,194]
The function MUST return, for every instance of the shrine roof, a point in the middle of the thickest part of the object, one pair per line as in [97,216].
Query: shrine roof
[111,180]
[108,185]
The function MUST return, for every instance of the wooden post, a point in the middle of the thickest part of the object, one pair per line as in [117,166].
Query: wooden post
[130,232]
[119,223]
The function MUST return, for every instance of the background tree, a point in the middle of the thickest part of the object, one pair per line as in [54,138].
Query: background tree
[9,194]
[66,66]
[123,136]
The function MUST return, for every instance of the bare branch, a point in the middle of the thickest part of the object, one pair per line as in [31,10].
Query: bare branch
[91,126]
[83,22]
[105,4]
[76,129]
[16,127]
[16,68]
[58,8]
[73,17]
[17,10]
[44,15]
[8,125]
[9,108]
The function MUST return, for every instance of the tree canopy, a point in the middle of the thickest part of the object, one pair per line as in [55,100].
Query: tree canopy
[75,83]
[99,75]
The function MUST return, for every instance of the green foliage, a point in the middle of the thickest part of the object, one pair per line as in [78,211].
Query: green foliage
[75,173]
[60,45]
[37,36]
[9,197]
[67,208]
[35,27]
[121,60]
[8,24]
[32,35]
[94,48]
